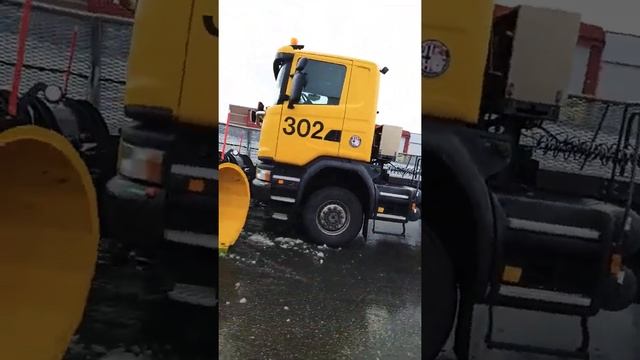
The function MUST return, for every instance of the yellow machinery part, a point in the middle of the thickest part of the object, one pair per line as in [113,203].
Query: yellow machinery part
[49,233]
[233,204]
[174,69]
[464,28]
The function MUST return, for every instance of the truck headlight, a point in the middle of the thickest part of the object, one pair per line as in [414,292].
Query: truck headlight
[262,174]
[140,163]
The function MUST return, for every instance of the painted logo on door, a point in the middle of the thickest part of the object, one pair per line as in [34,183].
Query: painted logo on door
[355,141]
[436,58]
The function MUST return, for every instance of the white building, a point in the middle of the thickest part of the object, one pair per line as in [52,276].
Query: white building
[620,68]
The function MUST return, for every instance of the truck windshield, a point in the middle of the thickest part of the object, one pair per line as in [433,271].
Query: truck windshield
[281,68]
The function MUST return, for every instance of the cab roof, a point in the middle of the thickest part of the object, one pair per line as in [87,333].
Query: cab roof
[298,49]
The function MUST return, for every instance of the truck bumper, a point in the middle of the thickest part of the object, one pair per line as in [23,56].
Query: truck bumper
[134,213]
[261,190]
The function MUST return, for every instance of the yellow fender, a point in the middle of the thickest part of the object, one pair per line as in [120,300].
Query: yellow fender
[233,204]
[49,234]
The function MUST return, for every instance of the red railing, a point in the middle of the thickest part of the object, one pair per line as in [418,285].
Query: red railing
[108,7]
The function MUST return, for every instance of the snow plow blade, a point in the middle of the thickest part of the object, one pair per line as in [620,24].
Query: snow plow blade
[49,236]
[234,196]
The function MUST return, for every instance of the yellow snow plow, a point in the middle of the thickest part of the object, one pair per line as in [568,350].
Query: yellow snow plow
[49,235]
[49,227]
[233,200]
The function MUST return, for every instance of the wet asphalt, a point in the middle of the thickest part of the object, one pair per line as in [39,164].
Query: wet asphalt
[128,317]
[282,298]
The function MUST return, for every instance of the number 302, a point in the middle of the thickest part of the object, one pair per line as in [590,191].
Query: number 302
[303,128]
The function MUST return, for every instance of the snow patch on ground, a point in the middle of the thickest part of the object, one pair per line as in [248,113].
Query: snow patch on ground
[260,239]
[288,243]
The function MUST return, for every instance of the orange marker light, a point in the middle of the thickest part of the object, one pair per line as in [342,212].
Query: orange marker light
[294,41]
[196,185]
[616,264]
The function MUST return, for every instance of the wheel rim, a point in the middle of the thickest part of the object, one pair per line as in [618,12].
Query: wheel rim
[333,217]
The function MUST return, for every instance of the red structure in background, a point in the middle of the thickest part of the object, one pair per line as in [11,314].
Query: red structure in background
[72,52]
[592,37]
[17,70]
[406,137]
[108,7]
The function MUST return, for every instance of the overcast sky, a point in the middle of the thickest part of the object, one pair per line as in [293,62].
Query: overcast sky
[386,32]
[614,15]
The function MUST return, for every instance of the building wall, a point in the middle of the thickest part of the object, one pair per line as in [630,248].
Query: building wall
[619,82]
[620,72]
[411,145]
[622,48]
[579,71]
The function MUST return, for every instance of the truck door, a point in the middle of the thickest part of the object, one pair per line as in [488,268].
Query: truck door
[313,127]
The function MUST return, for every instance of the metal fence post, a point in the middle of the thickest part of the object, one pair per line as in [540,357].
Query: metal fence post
[93,91]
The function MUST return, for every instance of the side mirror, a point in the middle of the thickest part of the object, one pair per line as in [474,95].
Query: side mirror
[299,80]
[257,115]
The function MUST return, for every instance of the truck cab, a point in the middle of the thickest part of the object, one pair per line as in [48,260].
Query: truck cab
[163,204]
[517,235]
[321,159]
[332,113]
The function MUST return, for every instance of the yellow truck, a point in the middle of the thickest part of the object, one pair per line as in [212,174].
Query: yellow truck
[163,203]
[322,157]
[498,228]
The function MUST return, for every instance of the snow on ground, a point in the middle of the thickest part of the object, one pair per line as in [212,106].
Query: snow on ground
[260,239]
[296,245]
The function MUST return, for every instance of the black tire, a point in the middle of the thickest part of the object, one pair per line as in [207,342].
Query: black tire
[332,202]
[441,296]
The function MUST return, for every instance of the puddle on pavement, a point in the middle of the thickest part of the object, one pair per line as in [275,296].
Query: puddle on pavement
[282,298]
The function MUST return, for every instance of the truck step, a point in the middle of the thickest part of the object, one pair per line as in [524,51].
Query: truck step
[280,216]
[190,238]
[553,254]
[582,352]
[194,171]
[194,294]
[554,229]
[285,199]
[402,234]
[544,295]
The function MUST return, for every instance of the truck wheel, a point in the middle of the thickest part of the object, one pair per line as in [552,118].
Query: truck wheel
[439,306]
[332,216]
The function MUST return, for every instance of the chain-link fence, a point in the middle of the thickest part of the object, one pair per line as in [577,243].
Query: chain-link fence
[593,137]
[242,139]
[98,72]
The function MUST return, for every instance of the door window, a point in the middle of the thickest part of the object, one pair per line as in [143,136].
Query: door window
[324,82]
